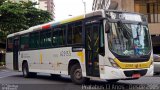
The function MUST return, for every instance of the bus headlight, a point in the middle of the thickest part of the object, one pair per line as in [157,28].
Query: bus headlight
[114,64]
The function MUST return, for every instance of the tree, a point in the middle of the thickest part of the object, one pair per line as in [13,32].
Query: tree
[16,17]
[35,16]
[1,1]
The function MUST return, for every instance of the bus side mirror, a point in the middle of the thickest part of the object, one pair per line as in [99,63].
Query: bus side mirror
[107,28]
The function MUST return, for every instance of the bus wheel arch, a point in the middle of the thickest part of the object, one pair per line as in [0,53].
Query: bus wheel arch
[71,63]
[75,71]
[25,69]
[24,61]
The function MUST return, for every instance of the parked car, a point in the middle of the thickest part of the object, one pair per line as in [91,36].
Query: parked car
[156,62]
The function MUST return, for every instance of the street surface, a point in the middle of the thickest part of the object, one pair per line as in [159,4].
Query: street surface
[11,80]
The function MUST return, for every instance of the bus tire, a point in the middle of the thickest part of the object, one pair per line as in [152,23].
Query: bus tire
[76,74]
[25,70]
[113,81]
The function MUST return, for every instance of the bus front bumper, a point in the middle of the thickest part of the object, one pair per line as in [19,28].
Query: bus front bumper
[109,73]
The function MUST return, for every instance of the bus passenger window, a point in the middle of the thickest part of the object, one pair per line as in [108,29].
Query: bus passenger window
[54,38]
[34,40]
[74,34]
[9,44]
[61,36]
[45,39]
[58,36]
[24,42]
[77,35]
[69,34]
[48,39]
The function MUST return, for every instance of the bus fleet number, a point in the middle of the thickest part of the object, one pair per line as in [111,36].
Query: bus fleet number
[65,53]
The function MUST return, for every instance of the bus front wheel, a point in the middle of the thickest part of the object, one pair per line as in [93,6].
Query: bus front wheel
[25,70]
[76,74]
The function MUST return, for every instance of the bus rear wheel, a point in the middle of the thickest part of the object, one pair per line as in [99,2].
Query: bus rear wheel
[76,74]
[25,70]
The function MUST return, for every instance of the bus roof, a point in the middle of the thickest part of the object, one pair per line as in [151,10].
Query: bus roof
[53,23]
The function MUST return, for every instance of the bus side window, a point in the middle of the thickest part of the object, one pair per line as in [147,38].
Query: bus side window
[54,37]
[62,36]
[74,33]
[58,36]
[9,44]
[77,33]
[45,38]
[24,40]
[34,40]
[70,34]
[48,39]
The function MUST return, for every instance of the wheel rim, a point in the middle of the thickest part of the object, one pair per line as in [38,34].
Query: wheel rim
[78,73]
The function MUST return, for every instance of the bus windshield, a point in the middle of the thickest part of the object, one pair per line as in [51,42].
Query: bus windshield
[129,39]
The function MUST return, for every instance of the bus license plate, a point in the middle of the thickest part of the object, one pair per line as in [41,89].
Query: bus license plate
[136,76]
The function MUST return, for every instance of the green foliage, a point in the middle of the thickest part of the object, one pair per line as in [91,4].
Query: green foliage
[16,17]
[1,1]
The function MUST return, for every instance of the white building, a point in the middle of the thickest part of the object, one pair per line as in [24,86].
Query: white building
[47,5]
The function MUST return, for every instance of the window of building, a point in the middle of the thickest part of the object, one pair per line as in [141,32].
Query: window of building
[24,42]
[151,8]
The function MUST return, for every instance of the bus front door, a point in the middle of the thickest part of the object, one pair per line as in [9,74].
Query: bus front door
[15,54]
[92,49]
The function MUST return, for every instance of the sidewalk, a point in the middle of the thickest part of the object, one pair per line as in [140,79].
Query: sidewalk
[2,67]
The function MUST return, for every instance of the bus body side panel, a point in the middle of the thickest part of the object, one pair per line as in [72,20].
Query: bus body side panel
[53,60]
[9,60]
[32,58]
[37,61]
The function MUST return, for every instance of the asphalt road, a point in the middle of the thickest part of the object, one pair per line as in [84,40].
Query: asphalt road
[11,80]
